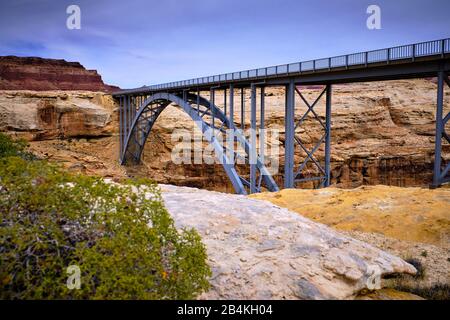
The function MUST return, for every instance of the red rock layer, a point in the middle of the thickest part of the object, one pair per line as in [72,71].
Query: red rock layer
[31,73]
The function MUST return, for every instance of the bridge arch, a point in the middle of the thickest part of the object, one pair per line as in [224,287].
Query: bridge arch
[151,108]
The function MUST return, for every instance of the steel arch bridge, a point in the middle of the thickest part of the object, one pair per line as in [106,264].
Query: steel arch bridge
[147,112]
[140,108]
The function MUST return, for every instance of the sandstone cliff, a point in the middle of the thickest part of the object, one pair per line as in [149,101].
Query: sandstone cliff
[57,114]
[32,73]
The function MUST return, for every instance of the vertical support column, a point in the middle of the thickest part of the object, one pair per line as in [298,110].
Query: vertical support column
[289,136]
[136,131]
[130,119]
[231,105]
[262,136]
[242,110]
[198,101]
[225,101]
[124,125]
[253,139]
[120,129]
[212,103]
[327,181]
[140,137]
[128,115]
[231,132]
[439,131]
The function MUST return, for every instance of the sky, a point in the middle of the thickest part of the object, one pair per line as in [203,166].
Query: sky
[142,42]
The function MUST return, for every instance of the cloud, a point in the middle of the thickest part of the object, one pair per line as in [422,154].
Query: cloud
[138,42]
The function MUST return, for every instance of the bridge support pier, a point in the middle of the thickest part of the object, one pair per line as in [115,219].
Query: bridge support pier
[289,147]
[120,129]
[327,181]
[252,156]
[292,177]
[440,174]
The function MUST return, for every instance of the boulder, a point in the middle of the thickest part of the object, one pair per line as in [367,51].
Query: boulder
[260,251]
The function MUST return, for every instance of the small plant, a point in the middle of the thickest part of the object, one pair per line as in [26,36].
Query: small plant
[412,284]
[13,148]
[424,253]
[120,236]
[419,267]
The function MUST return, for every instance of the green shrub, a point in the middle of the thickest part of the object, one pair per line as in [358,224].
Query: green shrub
[11,148]
[120,236]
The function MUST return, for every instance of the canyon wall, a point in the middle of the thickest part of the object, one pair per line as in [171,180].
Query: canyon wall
[32,73]
[47,115]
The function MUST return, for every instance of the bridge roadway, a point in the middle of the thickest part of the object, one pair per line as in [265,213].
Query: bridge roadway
[140,107]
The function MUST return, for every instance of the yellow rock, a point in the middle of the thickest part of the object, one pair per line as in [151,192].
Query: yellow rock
[412,214]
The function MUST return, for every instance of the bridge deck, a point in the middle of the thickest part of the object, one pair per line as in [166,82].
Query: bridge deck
[408,61]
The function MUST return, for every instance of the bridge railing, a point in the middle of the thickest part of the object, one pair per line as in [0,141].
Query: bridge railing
[412,51]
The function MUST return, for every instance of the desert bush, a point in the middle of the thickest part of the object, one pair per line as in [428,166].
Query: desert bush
[10,147]
[414,283]
[438,291]
[421,271]
[120,236]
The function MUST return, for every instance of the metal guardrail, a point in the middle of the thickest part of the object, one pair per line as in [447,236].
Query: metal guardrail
[412,51]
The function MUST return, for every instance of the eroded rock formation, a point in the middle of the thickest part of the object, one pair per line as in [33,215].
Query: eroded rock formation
[32,73]
[274,253]
[56,114]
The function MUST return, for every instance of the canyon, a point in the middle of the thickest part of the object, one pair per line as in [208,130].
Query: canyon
[382,134]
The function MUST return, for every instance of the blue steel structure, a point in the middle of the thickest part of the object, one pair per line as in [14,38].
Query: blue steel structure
[139,108]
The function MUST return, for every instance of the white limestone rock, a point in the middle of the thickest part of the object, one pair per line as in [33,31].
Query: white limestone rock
[257,250]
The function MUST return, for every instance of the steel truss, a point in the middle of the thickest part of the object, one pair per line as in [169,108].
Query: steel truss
[294,175]
[441,171]
[139,113]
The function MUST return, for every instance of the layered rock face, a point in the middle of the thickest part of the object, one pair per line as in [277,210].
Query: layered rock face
[55,114]
[31,73]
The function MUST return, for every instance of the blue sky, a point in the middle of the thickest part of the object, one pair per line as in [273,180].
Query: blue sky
[136,42]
